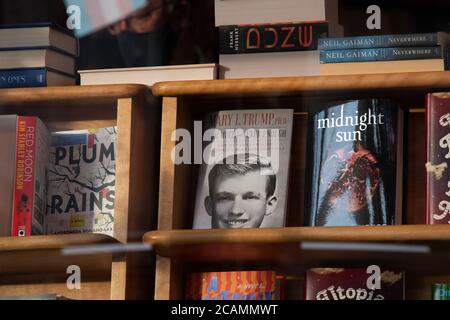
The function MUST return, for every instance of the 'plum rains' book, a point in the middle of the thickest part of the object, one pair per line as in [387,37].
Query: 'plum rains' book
[81,182]
[243,178]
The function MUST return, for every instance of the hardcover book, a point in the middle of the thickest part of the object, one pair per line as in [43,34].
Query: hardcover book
[438,155]
[33,77]
[356,164]
[280,37]
[354,284]
[233,285]
[238,12]
[385,54]
[383,41]
[37,35]
[37,58]
[243,178]
[32,139]
[81,182]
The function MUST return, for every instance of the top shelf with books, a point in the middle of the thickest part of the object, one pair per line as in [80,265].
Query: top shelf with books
[308,84]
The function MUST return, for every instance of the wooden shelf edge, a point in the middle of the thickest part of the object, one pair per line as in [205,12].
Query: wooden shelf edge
[167,238]
[52,242]
[36,95]
[388,81]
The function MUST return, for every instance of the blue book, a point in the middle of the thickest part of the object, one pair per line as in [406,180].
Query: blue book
[33,77]
[383,54]
[384,41]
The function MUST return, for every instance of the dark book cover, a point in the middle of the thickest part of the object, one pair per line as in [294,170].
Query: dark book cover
[355,164]
[281,37]
[354,284]
[438,155]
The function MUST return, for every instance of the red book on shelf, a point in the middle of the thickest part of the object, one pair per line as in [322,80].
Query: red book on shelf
[353,284]
[29,184]
[438,158]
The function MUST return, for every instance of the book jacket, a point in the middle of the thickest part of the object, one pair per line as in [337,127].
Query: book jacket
[81,182]
[438,155]
[233,285]
[355,164]
[258,38]
[243,179]
[32,139]
[354,284]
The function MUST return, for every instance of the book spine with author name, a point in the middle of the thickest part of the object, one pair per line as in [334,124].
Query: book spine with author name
[380,41]
[259,38]
[381,54]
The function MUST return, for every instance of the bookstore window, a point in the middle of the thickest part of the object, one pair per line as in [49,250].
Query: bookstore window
[224,150]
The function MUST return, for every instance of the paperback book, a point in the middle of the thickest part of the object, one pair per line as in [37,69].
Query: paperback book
[259,38]
[32,139]
[243,178]
[81,182]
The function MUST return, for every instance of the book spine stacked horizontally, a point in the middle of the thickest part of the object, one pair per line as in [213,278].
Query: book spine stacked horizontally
[385,53]
[37,55]
[285,44]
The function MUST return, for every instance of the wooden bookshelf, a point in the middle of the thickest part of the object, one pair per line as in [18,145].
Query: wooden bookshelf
[181,250]
[37,265]
[417,245]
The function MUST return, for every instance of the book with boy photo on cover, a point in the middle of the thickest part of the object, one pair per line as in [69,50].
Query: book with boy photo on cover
[243,179]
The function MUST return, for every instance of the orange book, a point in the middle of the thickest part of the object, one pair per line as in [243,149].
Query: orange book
[233,285]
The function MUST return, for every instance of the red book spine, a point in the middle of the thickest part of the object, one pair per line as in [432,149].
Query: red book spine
[438,158]
[24,176]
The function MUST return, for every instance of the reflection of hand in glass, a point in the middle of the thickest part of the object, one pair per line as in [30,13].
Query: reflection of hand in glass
[147,19]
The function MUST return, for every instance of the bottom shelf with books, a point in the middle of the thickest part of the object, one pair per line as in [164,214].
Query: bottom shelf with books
[40,265]
[421,251]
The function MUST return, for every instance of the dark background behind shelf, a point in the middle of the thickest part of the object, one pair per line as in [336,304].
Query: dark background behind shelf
[197,37]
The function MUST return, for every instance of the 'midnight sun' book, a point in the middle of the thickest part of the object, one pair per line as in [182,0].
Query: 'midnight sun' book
[81,181]
[355,157]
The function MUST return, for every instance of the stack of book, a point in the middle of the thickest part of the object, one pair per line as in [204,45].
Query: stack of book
[385,54]
[36,55]
[265,38]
